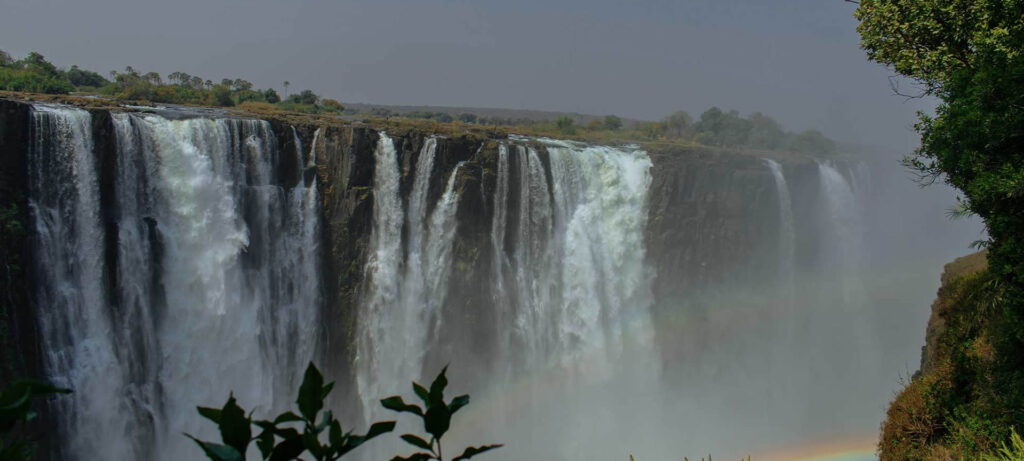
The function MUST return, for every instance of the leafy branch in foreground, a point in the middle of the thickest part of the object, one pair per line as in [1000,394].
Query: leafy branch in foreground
[277,441]
[16,407]
[436,420]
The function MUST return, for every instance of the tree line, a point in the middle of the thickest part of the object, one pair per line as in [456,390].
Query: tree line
[35,74]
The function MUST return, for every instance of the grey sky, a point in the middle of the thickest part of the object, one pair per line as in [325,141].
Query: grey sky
[795,59]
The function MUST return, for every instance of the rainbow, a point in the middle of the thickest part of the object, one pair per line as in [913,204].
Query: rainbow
[842,448]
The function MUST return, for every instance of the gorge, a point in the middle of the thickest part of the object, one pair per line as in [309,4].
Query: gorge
[173,255]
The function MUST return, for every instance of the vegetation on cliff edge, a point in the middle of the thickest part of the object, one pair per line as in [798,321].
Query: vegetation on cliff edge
[968,53]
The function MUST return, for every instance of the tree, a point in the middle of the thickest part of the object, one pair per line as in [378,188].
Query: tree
[5,59]
[766,133]
[82,77]
[286,85]
[305,97]
[970,54]
[333,105]
[240,85]
[222,96]
[271,96]
[678,124]
[565,124]
[153,78]
[612,122]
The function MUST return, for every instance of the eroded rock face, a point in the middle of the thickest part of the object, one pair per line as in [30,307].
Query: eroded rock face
[713,222]
[18,330]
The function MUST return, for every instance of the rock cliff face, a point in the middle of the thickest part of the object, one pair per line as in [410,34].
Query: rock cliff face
[713,219]
[717,223]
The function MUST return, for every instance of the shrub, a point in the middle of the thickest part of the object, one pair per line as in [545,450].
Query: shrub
[15,409]
[332,105]
[276,440]
[436,420]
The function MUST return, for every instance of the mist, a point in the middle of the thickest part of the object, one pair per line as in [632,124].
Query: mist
[596,301]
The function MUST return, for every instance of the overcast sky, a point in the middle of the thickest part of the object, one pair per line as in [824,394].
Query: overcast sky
[797,60]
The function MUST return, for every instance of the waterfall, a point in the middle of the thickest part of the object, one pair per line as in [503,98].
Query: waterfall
[78,333]
[214,288]
[787,233]
[406,290]
[579,280]
[843,245]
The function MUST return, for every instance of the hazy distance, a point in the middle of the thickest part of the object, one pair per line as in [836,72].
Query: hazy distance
[798,61]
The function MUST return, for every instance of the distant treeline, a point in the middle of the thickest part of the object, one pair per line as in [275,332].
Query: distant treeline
[34,74]
[714,128]
[728,129]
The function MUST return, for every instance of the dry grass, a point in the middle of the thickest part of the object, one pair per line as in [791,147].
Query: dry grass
[912,425]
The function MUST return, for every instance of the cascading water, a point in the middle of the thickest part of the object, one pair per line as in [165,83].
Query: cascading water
[406,290]
[787,232]
[580,289]
[79,335]
[192,269]
[215,279]
[843,245]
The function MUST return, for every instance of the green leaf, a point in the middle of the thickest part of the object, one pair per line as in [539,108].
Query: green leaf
[234,425]
[310,398]
[395,403]
[287,417]
[415,440]
[422,393]
[325,422]
[216,451]
[212,414]
[288,450]
[335,436]
[376,429]
[312,443]
[265,442]
[437,388]
[458,402]
[414,457]
[437,420]
[473,451]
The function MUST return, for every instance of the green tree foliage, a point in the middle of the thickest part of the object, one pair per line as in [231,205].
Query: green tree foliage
[32,74]
[436,415]
[766,133]
[289,435]
[86,78]
[969,54]
[15,409]
[612,122]
[678,124]
[811,142]
[305,97]
[565,124]
[718,128]
[222,96]
[269,95]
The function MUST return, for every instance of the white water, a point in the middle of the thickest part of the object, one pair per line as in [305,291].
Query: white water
[787,232]
[406,290]
[216,287]
[843,246]
[73,312]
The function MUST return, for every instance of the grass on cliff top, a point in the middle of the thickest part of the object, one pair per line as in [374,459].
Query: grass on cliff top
[403,125]
[956,407]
